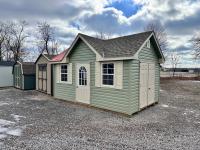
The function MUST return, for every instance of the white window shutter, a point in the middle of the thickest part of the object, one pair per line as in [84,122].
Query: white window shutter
[70,73]
[57,69]
[97,74]
[119,74]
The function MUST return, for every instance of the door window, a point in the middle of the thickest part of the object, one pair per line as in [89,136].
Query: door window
[82,76]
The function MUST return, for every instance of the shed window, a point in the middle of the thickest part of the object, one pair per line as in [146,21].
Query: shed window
[82,76]
[148,44]
[108,74]
[64,73]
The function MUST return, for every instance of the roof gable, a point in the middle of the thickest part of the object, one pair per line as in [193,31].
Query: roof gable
[46,56]
[122,47]
[27,68]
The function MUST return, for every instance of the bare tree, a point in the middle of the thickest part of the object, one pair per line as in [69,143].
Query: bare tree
[174,59]
[55,46]
[3,34]
[16,39]
[196,45]
[160,33]
[102,35]
[46,36]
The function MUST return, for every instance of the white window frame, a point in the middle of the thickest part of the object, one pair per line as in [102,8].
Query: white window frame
[85,74]
[60,70]
[148,44]
[104,85]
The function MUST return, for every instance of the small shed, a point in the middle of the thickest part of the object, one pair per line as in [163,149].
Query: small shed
[6,77]
[44,75]
[24,75]
[120,74]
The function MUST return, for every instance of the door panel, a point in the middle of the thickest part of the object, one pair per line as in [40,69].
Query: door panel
[143,85]
[17,76]
[83,83]
[151,84]
[147,84]
[39,84]
[44,88]
[42,77]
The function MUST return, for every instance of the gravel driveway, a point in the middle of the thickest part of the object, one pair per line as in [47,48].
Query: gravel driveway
[31,120]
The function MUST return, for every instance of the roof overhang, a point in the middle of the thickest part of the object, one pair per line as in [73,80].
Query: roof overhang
[40,57]
[100,58]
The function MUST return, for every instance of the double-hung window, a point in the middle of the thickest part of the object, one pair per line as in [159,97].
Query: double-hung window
[108,74]
[63,73]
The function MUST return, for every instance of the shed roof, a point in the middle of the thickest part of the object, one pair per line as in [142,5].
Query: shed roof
[49,56]
[28,68]
[7,63]
[124,46]
[60,56]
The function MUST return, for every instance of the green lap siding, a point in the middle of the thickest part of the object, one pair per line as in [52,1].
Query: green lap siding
[125,100]
[134,86]
[149,55]
[121,100]
[80,54]
[17,73]
[62,90]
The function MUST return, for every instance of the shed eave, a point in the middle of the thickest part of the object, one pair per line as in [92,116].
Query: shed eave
[115,58]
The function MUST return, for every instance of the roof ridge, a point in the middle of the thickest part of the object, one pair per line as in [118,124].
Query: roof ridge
[136,34]
[91,36]
[130,35]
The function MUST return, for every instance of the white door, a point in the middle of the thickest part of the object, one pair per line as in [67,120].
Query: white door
[147,84]
[143,85]
[83,83]
[42,77]
[17,77]
[151,84]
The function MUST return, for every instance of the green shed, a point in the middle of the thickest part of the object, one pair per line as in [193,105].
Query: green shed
[24,75]
[120,74]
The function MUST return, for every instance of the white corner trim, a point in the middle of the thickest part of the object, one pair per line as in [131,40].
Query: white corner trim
[21,66]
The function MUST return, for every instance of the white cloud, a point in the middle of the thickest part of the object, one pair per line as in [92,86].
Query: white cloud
[180,17]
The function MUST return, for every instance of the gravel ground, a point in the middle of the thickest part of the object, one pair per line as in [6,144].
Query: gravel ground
[31,120]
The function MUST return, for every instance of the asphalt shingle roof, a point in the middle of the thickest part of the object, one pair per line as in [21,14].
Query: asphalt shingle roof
[124,46]
[49,56]
[28,68]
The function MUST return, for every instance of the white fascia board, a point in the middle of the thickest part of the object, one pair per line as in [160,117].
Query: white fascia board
[117,58]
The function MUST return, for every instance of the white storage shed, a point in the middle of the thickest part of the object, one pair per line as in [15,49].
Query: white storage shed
[6,76]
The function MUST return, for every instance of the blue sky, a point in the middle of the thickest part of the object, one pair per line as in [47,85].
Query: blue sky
[112,17]
[128,7]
